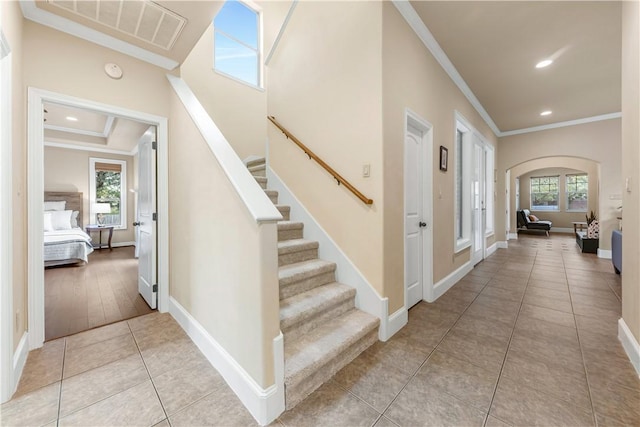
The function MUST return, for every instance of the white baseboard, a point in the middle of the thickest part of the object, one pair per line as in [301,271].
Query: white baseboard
[20,359]
[445,284]
[512,236]
[491,249]
[630,344]
[604,253]
[367,298]
[264,404]
[396,322]
[502,245]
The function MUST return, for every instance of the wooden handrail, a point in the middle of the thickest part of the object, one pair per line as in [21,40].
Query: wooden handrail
[328,168]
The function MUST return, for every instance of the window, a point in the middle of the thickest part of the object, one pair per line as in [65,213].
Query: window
[544,193]
[462,184]
[489,188]
[577,189]
[236,51]
[108,183]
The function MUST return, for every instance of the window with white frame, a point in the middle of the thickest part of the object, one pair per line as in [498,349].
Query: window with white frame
[236,42]
[463,186]
[107,192]
[577,192]
[489,188]
[545,193]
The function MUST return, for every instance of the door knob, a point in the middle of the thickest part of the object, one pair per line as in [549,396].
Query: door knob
[422,224]
[136,223]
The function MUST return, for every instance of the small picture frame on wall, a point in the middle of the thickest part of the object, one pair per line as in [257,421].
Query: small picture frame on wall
[444,158]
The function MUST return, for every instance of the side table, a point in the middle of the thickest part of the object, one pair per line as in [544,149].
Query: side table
[100,228]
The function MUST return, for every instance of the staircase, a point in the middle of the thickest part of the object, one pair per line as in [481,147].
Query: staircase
[323,331]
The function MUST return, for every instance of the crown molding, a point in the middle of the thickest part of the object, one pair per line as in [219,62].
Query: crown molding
[600,118]
[415,22]
[413,19]
[33,13]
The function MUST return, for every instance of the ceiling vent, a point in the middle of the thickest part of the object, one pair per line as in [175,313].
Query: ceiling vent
[142,19]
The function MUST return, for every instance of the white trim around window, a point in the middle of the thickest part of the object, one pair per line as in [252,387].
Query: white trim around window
[462,201]
[123,188]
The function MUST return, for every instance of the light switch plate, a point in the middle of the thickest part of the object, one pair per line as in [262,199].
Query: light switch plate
[366,170]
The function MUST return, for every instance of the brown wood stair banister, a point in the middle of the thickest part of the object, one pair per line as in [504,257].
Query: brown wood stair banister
[328,168]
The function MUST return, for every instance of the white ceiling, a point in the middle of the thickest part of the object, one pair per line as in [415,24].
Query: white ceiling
[493,45]
[93,130]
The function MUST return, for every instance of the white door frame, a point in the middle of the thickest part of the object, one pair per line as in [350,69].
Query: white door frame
[413,119]
[35,206]
[7,385]
[478,142]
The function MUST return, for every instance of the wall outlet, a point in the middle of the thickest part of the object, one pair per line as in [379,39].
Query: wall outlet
[366,170]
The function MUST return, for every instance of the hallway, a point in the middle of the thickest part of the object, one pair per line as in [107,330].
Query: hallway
[529,337]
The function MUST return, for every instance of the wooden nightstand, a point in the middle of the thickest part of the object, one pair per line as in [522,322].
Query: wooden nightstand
[101,228]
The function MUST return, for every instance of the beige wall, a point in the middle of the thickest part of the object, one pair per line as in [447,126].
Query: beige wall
[61,63]
[239,110]
[68,170]
[12,26]
[630,165]
[324,85]
[598,142]
[413,79]
[223,265]
[562,218]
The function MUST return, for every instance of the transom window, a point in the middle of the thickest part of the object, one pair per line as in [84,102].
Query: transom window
[107,192]
[236,51]
[577,189]
[545,193]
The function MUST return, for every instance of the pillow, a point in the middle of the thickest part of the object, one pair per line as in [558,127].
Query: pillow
[48,225]
[533,218]
[55,206]
[61,220]
[74,219]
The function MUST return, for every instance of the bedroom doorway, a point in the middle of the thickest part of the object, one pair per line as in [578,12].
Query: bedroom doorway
[103,288]
[99,196]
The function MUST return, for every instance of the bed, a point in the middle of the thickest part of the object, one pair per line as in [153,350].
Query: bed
[64,240]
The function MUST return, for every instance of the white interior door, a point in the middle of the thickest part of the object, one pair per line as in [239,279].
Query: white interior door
[414,221]
[477,201]
[147,242]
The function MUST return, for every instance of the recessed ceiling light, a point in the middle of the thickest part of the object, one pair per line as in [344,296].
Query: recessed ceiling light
[546,113]
[544,63]
[72,119]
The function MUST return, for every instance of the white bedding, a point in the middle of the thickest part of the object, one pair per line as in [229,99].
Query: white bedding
[66,246]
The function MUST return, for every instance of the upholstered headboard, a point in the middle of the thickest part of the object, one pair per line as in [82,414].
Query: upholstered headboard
[74,201]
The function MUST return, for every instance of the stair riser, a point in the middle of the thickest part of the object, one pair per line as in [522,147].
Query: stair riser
[254,163]
[299,256]
[263,185]
[296,330]
[289,234]
[274,199]
[285,214]
[259,172]
[295,393]
[295,288]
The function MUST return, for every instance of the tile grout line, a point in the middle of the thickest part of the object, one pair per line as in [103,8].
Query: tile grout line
[64,357]
[513,330]
[434,349]
[166,417]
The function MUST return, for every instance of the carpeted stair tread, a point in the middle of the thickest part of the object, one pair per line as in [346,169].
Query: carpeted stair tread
[310,352]
[290,225]
[305,307]
[295,245]
[295,272]
[256,162]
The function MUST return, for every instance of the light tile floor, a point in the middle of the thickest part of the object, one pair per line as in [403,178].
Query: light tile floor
[529,337]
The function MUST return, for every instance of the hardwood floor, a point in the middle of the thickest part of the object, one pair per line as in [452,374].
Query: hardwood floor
[83,297]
